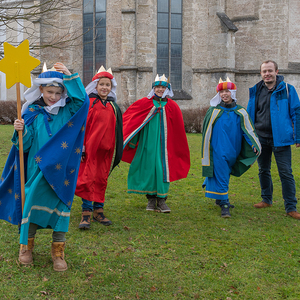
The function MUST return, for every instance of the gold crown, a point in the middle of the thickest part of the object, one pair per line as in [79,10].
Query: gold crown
[227,80]
[45,68]
[102,69]
[162,78]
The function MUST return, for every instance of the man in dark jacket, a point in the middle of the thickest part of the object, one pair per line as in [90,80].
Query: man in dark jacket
[274,107]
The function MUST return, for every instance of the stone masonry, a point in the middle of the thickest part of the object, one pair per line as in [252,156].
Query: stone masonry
[220,38]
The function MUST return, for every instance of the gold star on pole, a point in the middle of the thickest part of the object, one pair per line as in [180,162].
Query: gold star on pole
[17,64]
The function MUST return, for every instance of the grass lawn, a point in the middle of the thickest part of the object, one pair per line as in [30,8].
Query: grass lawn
[191,253]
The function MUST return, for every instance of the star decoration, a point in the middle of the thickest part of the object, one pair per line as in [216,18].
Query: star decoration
[58,167]
[31,109]
[10,167]
[70,124]
[16,167]
[66,182]
[69,203]
[17,64]
[17,196]
[38,159]
[77,151]
[52,186]
[9,218]
[64,145]
[72,171]
[10,191]
[82,128]
[0,203]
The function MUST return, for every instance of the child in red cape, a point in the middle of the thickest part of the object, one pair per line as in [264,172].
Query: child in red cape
[155,145]
[102,150]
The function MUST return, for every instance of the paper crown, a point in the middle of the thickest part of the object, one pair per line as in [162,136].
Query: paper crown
[52,73]
[225,85]
[162,80]
[102,73]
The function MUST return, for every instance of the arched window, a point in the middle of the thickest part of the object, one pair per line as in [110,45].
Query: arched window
[94,38]
[169,40]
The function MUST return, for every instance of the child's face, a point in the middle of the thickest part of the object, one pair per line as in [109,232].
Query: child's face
[103,87]
[51,94]
[159,90]
[226,96]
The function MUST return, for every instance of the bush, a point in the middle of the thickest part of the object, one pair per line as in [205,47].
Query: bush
[8,112]
[193,119]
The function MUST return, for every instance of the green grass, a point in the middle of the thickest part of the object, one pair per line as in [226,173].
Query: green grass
[191,253]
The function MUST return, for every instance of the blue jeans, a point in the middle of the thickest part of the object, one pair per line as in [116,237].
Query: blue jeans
[283,157]
[89,206]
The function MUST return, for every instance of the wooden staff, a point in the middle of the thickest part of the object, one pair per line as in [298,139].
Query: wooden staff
[21,156]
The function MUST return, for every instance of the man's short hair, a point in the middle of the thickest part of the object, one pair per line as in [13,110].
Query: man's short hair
[270,61]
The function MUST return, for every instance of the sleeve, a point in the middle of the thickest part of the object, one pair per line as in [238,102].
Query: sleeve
[294,111]
[133,142]
[28,135]
[75,90]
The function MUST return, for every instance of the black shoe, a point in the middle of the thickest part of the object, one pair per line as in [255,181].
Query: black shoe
[225,211]
[217,203]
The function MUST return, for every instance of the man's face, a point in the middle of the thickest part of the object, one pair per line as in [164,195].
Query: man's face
[226,96]
[268,73]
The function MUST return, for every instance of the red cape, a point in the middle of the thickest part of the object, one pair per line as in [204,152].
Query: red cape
[177,145]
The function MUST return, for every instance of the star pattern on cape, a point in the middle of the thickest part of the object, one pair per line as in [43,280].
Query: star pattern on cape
[66,182]
[77,150]
[38,159]
[17,64]
[70,124]
[17,196]
[9,191]
[31,109]
[64,145]
[52,186]
[72,171]
[58,167]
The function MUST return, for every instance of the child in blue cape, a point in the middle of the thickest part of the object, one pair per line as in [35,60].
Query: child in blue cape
[53,131]
[229,144]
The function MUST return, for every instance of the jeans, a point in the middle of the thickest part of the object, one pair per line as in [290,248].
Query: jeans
[283,157]
[89,206]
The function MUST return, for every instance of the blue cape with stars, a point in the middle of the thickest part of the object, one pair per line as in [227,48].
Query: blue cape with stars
[60,151]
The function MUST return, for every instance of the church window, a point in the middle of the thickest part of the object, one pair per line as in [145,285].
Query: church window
[94,37]
[169,40]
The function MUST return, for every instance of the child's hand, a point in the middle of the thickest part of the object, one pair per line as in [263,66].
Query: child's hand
[19,125]
[60,67]
[255,151]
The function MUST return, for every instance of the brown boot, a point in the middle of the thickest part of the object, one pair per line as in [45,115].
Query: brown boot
[25,253]
[99,217]
[85,222]
[262,205]
[294,214]
[58,256]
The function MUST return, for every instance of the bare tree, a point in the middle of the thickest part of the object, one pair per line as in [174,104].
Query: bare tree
[45,23]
